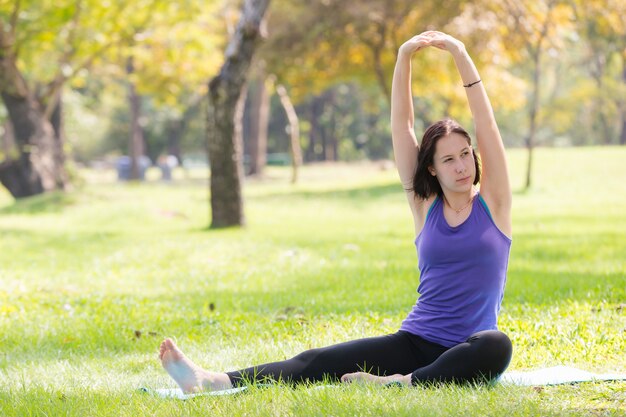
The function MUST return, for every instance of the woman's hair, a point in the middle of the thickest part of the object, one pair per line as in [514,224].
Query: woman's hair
[425,184]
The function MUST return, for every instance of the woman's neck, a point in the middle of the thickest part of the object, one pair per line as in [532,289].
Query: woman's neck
[459,202]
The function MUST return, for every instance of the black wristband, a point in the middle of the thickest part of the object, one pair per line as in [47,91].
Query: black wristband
[471,84]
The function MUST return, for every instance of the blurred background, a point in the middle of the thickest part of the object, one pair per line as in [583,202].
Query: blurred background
[120,86]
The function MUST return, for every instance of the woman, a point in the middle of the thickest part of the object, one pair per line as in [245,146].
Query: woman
[463,242]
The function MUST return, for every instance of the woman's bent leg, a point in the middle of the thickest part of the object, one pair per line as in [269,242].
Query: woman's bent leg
[484,356]
[383,355]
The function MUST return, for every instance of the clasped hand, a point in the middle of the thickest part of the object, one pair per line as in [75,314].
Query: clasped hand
[431,38]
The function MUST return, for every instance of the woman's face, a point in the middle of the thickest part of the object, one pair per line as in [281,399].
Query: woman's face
[453,163]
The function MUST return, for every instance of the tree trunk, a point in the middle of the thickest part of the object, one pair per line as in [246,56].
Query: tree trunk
[177,126]
[136,147]
[61,177]
[325,155]
[175,129]
[525,28]
[607,135]
[536,52]
[8,148]
[315,132]
[224,118]
[330,130]
[46,157]
[377,41]
[259,121]
[622,137]
[597,72]
[20,177]
[31,169]
[17,169]
[381,76]
[30,172]
[294,132]
[534,109]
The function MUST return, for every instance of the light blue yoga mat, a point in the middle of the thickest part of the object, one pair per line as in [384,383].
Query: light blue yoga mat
[545,376]
[556,375]
[178,393]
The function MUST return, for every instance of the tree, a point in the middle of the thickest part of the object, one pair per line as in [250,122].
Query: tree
[601,25]
[317,45]
[172,58]
[259,113]
[531,28]
[37,163]
[622,137]
[224,117]
[294,131]
[136,144]
[44,45]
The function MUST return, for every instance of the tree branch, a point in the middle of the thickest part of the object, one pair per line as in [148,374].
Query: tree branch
[6,41]
[14,17]
[50,95]
[54,86]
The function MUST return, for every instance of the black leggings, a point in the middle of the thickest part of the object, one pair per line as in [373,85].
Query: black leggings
[482,357]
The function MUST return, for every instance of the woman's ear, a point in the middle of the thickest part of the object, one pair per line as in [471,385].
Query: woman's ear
[432,171]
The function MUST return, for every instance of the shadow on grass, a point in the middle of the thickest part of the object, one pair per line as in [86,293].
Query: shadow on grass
[52,202]
[55,249]
[539,287]
[356,193]
[212,312]
[566,265]
[360,193]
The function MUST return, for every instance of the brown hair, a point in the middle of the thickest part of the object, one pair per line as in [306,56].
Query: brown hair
[425,184]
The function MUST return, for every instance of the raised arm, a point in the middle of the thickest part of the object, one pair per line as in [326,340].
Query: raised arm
[405,146]
[494,185]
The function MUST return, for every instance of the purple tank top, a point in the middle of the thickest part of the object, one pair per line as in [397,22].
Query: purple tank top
[462,276]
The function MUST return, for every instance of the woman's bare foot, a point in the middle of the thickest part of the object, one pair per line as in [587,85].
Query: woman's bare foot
[383,380]
[189,376]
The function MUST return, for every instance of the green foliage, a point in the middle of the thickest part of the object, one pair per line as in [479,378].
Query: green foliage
[93,281]
[176,49]
[318,47]
[87,43]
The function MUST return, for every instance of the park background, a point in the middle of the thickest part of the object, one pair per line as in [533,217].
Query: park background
[95,271]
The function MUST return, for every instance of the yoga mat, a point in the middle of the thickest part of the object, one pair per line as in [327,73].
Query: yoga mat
[556,375]
[545,376]
[178,393]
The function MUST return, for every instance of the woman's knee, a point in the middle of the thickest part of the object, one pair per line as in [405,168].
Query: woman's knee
[308,356]
[494,345]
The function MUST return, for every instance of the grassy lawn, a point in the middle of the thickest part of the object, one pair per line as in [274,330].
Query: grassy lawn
[91,281]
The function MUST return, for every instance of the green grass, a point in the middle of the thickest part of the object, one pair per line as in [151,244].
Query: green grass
[91,281]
